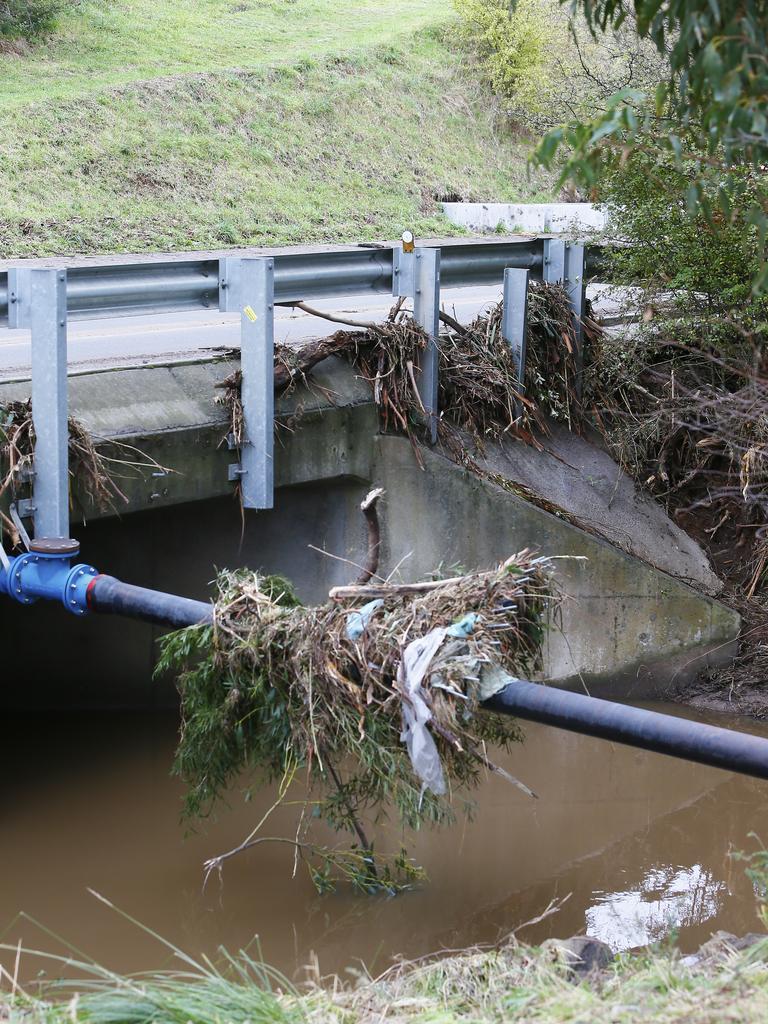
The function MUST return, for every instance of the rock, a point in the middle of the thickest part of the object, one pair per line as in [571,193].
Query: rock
[582,955]
[723,944]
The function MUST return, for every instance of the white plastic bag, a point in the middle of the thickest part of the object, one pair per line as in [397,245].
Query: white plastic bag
[422,749]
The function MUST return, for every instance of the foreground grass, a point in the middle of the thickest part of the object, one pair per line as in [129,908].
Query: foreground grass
[304,121]
[515,983]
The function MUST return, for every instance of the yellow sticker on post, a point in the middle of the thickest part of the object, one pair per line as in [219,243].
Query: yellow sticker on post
[250,313]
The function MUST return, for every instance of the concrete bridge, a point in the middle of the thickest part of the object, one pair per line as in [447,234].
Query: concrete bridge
[641,610]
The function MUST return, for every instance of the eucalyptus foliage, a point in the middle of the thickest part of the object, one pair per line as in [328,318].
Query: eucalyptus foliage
[709,114]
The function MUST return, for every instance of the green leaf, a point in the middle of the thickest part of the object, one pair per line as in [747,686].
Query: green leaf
[660,98]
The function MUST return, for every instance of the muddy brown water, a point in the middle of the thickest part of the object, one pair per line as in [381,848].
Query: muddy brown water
[638,842]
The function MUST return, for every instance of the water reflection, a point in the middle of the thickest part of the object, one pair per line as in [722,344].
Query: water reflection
[667,900]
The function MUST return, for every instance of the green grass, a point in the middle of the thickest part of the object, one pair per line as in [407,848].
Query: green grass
[178,124]
[114,42]
[516,983]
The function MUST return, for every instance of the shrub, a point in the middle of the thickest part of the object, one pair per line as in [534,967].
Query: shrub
[25,19]
[546,65]
[709,262]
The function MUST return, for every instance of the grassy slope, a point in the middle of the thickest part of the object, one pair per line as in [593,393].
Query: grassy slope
[202,123]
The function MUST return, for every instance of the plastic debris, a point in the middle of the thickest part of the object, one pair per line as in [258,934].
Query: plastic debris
[422,749]
[357,620]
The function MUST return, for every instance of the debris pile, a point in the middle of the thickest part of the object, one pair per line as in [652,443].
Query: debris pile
[94,471]
[17,448]
[480,395]
[372,695]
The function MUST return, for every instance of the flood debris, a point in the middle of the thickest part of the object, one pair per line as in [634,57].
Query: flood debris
[94,472]
[17,449]
[373,696]
[371,699]
[480,396]
[685,416]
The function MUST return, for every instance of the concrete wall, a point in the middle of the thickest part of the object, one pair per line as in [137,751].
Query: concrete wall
[626,628]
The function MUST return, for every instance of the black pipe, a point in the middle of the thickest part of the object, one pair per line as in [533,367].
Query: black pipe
[109,596]
[648,730]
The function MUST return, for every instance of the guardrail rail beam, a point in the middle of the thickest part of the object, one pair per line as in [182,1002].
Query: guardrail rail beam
[18,297]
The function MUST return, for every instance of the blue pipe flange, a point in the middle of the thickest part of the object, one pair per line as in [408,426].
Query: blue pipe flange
[13,583]
[78,581]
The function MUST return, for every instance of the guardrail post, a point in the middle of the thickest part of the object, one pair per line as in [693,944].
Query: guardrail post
[416,275]
[257,364]
[426,313]
[565,262]
[514,325]
[48,320]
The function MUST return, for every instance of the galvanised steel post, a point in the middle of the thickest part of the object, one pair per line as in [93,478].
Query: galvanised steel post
[257,364]
[566,262]
[514,325]
[426,313]
[48,320]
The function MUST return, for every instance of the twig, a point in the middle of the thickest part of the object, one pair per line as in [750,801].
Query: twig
[372,591]
[339,558]
[367,325]
[358,828]
[455,742]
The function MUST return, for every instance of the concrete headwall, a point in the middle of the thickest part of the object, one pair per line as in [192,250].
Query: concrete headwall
[625,627]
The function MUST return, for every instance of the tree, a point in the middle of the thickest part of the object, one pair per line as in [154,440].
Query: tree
[710,114]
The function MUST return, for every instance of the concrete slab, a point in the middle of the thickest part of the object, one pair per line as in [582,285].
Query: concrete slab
[536,218]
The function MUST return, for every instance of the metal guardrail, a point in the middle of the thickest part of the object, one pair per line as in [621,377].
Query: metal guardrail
[140,288]
[45,299]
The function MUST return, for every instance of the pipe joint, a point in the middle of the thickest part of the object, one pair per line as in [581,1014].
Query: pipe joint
[48,575]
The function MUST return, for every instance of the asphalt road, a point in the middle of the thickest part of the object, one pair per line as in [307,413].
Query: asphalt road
[138,340]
